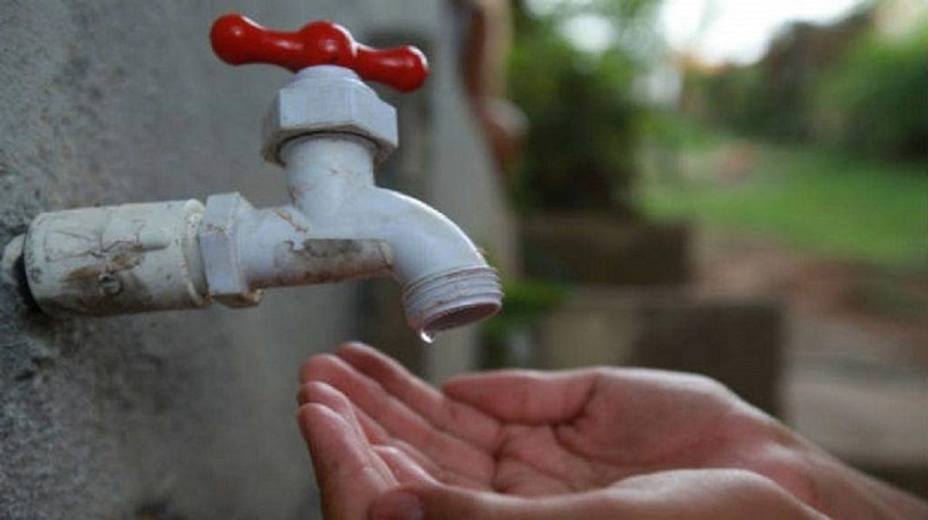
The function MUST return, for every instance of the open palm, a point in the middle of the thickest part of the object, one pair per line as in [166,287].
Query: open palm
[526,433]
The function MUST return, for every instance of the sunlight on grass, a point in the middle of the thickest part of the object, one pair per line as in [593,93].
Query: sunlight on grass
[817,201]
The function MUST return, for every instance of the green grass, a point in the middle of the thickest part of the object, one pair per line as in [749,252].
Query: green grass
[817,201]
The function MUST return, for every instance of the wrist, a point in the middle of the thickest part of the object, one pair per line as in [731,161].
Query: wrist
[845,492]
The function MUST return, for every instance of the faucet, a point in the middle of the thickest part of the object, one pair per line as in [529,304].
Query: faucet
[327,129]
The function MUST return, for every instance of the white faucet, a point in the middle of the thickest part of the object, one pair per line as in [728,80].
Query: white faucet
[327,128]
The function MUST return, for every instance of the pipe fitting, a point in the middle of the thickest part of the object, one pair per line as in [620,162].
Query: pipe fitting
[220,249]
[116,259]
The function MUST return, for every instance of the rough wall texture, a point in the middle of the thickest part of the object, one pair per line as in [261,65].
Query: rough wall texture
[174,415]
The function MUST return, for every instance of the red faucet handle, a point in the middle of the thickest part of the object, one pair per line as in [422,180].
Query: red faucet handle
[238,40]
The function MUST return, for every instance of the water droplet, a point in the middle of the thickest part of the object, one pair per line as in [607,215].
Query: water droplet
[427,336]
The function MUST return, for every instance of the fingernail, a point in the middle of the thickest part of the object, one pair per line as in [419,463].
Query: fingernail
[399,505]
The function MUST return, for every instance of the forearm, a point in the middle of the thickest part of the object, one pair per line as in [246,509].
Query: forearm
[844,492]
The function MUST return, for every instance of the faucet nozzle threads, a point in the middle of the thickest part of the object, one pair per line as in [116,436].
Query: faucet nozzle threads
[452,298]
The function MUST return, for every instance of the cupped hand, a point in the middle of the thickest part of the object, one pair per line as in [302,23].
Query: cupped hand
[595,436]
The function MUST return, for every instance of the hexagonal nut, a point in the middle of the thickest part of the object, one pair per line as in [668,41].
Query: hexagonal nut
[329,103]
[217,237]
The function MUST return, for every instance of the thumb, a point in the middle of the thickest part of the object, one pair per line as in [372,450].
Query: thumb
[426,502]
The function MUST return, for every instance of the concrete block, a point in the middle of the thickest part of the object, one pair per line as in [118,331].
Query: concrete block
[594,249]
[736,341]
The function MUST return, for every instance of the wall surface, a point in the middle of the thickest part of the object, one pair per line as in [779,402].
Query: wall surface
[178,415]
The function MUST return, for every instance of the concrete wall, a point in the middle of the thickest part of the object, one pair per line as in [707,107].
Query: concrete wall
[177,415]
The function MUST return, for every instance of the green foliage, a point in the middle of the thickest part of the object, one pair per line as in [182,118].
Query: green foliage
[876,101]
[736,98]
[840,85]
[526,301]
[822,201]
[582,119]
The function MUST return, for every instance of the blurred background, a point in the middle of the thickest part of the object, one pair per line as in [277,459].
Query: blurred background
[734,188]
[737,188]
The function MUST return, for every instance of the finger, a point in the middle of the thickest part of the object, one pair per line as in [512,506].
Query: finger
[399,420]
[419,458]
[445,414]
[403,467]
[526,396]
[347,481]
[324,394]
[377,436]
[437,472]
[374,433]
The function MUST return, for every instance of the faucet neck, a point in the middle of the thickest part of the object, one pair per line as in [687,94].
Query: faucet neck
[325,170]
[322,72]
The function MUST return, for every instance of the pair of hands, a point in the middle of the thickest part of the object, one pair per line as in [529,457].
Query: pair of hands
[594,443]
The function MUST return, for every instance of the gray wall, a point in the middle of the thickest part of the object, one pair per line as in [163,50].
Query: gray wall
[177,415]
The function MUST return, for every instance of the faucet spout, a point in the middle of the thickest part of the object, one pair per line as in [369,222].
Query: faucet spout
[446,280]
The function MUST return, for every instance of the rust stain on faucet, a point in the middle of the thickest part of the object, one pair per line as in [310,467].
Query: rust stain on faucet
[328,260]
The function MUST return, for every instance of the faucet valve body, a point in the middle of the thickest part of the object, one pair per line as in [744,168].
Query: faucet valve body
[328,99]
